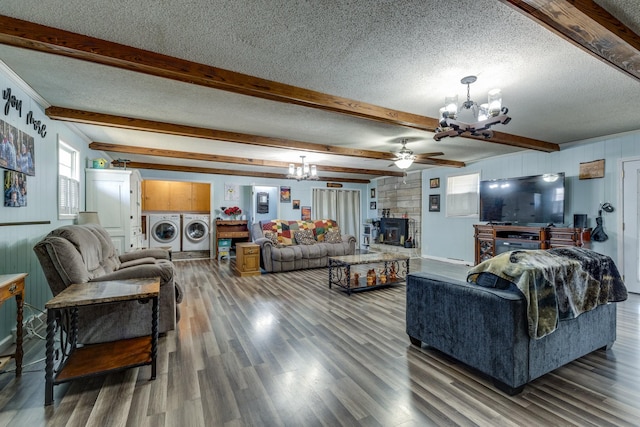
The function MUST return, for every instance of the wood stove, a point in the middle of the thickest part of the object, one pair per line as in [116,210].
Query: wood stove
[394,231]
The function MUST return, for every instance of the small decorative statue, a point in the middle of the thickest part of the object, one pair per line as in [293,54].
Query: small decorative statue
[392,273]
[371,277]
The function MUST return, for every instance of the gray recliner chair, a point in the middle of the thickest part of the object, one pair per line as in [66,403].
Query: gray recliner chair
[85,253]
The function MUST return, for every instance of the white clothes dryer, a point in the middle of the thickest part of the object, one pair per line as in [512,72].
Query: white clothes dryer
[196,232]
[164,230]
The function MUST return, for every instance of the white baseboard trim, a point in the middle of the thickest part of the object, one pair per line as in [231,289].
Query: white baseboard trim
[449,260]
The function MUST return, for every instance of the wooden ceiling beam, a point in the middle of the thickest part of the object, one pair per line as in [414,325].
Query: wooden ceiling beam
[28,35]
[216,171]
[589,27]
[148,151]
[99,119]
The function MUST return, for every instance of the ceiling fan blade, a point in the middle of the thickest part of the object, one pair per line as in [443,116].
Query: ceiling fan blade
[427,155]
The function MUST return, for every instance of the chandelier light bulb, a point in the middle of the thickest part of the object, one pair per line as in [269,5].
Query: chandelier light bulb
[483,112]
[495,102]
[314,170]
[451,106]
[292,168]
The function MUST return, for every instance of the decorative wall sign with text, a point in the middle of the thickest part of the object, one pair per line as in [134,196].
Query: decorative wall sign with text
[13,103]
[590,170]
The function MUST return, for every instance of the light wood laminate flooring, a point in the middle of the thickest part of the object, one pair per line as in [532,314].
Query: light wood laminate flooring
[284,350]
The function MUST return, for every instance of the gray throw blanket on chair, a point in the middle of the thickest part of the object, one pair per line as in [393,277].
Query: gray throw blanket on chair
[557,283]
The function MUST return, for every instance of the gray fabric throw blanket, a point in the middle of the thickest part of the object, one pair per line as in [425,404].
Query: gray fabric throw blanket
[557,283]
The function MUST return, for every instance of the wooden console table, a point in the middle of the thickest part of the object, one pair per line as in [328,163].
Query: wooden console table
[236,230]
[104,358]
[12,286]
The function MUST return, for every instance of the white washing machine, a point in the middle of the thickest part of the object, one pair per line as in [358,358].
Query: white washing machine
[195,232]
[164,230]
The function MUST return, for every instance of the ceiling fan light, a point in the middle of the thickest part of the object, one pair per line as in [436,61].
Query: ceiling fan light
[495,102]
[404,163]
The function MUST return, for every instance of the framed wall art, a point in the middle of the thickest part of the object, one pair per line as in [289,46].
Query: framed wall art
[15,189]
[434,203]
[285,194]
[305,215]
[16,150]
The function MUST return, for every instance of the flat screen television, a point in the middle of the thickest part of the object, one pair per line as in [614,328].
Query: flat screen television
[523,200]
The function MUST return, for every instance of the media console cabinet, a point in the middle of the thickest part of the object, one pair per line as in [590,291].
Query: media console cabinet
[492,239]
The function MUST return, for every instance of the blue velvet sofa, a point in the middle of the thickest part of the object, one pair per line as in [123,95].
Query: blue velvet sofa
[486,328]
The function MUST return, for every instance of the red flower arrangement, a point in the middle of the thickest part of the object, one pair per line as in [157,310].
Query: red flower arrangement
[233,211]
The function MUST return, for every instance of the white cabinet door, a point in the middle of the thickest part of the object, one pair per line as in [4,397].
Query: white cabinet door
[108,193]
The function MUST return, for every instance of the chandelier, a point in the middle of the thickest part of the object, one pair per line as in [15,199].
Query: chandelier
[303,171]
[487,115]
[404,157]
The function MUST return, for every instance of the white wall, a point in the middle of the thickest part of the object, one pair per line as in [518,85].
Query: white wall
[452,238]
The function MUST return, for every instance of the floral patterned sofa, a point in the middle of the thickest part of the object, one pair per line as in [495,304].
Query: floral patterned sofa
[295,245]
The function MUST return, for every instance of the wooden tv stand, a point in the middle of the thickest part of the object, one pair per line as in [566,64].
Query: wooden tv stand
[492,239]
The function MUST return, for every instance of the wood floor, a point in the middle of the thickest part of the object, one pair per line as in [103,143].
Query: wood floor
[284,350]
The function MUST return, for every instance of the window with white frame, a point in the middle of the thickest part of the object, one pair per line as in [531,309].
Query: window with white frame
[68,181]
[462,195]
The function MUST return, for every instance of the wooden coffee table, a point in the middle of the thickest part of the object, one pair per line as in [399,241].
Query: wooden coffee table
[394,267]
[99,359]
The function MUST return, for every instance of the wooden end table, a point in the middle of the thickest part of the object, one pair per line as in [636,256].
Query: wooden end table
[247,259]
[12,285]
[104,358]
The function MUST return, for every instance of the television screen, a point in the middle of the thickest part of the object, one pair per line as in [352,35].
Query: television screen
[524,200]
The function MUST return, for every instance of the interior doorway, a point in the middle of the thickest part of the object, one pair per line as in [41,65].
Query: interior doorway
[631,224]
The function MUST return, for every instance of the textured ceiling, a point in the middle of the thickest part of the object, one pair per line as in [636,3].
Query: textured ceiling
[404,55]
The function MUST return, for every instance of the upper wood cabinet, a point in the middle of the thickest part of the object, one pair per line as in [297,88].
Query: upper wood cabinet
[200,197]
[176,196]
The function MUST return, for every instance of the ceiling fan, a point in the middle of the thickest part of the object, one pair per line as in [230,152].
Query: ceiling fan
[405,157]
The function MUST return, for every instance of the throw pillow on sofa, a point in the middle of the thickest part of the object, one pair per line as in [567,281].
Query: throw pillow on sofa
[333,236]
[271,236]
[304,237]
